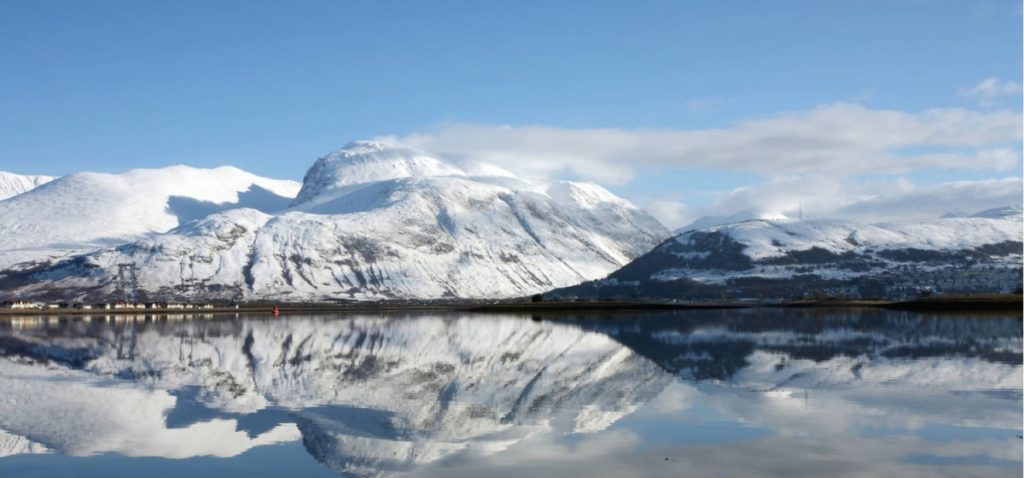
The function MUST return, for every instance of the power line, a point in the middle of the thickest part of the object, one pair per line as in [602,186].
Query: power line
[127,284]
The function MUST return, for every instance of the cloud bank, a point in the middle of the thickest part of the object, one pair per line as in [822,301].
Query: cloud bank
[818,158]
[868,201]
[838,140]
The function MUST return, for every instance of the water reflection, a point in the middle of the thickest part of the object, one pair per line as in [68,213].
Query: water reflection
[763,392]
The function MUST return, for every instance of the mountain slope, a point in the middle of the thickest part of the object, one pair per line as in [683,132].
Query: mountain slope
[376,222]
[14,184]
[84,211]
[791,259]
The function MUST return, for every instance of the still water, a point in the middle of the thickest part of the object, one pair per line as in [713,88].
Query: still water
[696,393]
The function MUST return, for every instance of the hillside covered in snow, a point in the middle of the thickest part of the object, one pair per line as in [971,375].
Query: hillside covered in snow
[796,259]
[14,184]
[371,221]
[82,212]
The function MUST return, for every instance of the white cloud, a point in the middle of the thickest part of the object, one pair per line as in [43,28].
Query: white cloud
[816,195]
[867,201]
[670,212]
[957,197]
[836,140]
[815,160]
[989,89]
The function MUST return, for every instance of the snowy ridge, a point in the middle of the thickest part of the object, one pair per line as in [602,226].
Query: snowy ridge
[14,184]
[1011,212]
[363,162]
[763,239]
[791,258]
[84,211]
[374,222]
[705,222]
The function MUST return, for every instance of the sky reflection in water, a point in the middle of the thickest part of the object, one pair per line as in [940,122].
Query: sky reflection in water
[701,393]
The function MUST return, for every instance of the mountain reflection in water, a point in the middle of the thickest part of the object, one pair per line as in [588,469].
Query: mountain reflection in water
[726,393]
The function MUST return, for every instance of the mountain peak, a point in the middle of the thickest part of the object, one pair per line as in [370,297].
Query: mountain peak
[367,146]
[362,162]
[705,222]
[374,151]
[14,184]
[586,195]
[1000,212]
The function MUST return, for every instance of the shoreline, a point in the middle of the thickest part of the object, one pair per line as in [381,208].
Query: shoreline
[988,303]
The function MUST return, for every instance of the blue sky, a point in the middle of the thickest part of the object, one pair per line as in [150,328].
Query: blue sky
[270,86]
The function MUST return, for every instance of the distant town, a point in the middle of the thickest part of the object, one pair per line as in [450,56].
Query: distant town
[154,306]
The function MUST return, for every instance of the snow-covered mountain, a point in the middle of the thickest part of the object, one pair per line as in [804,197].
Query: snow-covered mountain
[82,212]
[792,259]
[1009,212]
[366,162]
[14,184]
[372,221]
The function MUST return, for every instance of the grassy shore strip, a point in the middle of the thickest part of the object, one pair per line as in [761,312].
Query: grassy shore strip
[1000,302]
